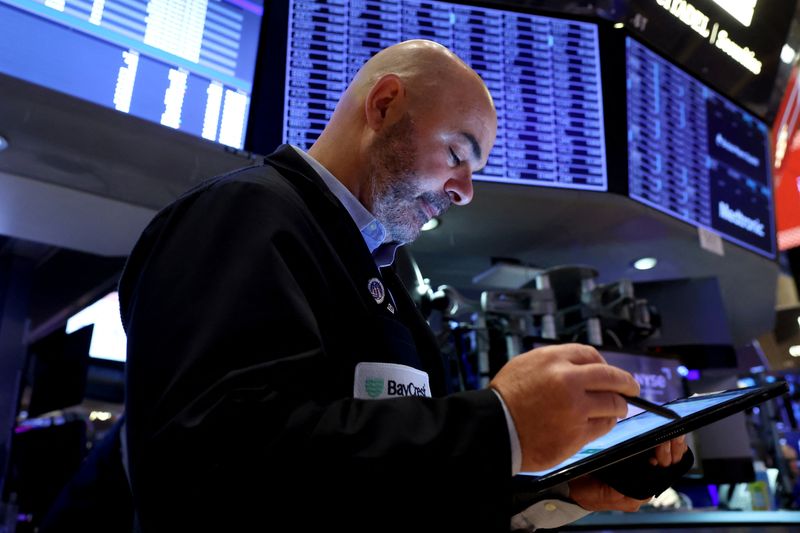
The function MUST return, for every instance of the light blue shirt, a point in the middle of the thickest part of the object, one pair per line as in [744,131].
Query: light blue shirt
[544,514]
[377,238]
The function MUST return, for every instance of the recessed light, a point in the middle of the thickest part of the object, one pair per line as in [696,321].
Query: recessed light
[794,351]
[431,224]
[645,263]
[619,25]
[787,54]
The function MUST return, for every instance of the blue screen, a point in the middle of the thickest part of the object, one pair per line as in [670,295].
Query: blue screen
[544,75]
[186,65]
[695,155]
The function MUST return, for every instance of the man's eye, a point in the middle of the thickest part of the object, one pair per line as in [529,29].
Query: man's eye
[456,159]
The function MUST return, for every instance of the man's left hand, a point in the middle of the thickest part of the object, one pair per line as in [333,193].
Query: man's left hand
[594,495]
[670,452]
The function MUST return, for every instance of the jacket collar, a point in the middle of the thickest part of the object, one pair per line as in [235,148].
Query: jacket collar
[292,164]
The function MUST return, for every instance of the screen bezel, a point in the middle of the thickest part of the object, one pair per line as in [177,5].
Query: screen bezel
[529,484]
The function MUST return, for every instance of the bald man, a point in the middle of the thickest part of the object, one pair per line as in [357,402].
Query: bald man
[279,376]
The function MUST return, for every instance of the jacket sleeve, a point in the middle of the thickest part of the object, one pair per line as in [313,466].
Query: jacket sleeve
[240,391]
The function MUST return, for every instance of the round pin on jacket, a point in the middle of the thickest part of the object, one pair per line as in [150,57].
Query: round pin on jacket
[376,290]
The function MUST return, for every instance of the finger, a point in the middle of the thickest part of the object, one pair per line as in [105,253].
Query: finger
[615,500]
[675,452]
[597,427]
[606,378]
[655,460]
[664,453]
[678,449]
[582,354]
[605,404]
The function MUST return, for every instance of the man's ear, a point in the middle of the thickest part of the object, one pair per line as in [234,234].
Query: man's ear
[385,102]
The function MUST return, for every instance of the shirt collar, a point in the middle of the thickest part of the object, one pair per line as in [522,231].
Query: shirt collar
[374,233]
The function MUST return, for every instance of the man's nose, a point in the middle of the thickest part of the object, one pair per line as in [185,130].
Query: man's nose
[459,188]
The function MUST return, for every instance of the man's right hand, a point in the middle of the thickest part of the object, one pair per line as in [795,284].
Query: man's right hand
[561,397]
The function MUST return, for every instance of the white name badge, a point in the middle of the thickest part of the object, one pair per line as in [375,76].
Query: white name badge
[377,381]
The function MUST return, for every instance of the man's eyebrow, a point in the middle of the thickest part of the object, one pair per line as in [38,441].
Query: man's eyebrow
[476,148]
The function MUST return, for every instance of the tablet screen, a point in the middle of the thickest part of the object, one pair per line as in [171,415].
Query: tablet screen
[645,422]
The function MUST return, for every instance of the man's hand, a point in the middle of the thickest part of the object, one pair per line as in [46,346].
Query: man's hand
[594,495]
[561,397]
[670,452]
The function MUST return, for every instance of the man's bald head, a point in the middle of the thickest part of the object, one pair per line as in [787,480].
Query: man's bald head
[409,131]
[426,68]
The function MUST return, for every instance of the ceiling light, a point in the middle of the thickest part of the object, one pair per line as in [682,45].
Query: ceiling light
[794,351]
[645,263]
[431,224]
[741,10]
[787,54]
[619,25]
[3,143]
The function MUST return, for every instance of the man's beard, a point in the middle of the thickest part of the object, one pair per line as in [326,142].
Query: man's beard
[396,197]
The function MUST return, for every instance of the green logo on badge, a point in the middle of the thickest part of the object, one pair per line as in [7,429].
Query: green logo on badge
[374,387]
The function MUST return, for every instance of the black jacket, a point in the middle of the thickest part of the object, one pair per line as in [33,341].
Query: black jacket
[247,308]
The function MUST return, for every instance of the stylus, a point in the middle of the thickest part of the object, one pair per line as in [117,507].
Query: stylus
[652,407]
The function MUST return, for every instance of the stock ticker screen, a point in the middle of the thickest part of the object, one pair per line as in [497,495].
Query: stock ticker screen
[543,73]
[185,64]
[695,155]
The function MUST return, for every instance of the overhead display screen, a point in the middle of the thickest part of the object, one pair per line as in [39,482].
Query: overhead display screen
[543,72]
[695,155]
[735,45]
[185,64]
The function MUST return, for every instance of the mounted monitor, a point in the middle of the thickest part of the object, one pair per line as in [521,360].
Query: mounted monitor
[741,47]
[543,72]
[186,65]
[695,155]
